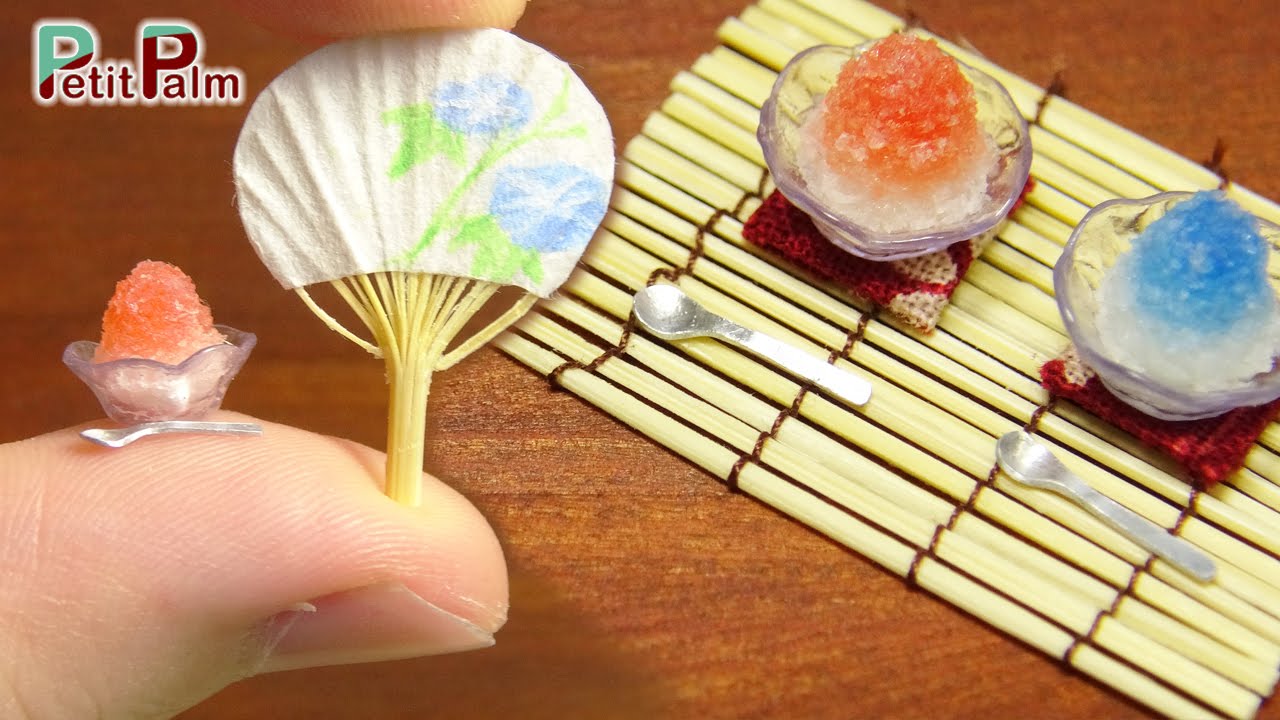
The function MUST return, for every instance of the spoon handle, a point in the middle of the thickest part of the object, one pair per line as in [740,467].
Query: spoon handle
[119,437]
[838,382]
[206,427]
[1145,533]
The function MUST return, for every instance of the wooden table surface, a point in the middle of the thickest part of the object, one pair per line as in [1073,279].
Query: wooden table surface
[640,588]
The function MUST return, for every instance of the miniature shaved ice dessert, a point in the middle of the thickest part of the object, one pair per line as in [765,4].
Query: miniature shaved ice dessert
[893,147]
[896,142]
[161,357]
[1170,301]
[155,313]
[1189,304]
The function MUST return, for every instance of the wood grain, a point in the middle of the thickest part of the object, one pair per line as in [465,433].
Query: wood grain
[639,587]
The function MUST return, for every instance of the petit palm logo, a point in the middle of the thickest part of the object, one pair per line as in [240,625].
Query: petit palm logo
[167,67]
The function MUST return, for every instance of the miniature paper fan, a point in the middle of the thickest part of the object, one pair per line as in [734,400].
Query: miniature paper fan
[468,153]
[416,174]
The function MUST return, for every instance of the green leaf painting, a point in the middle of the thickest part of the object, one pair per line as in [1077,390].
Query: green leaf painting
[423,137]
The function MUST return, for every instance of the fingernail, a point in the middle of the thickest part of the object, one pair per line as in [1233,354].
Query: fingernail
[380,622]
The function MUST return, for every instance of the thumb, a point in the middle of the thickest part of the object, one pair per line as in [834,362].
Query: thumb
[141,580]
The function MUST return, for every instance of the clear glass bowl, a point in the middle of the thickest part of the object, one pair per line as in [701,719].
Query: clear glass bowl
[1104,234]
[801,86]
[136,390]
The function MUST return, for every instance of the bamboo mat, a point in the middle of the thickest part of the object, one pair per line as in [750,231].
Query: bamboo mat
[909,480]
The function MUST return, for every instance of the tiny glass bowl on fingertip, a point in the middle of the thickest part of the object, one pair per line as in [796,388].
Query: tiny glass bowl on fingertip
[799,90]
[1106,344]
[138,390]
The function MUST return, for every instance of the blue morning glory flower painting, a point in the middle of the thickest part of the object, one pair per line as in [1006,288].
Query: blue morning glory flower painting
[537,203]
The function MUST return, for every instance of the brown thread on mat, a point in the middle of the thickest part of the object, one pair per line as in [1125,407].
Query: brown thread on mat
[912,20]
[757,194]
[672,274]
[851,339]
[553,377]
[1057,86]
[1090,636]
[930,551]
[1033,422]
[1214,163]
[1193,501]
[731,480]
[695,253]
[1192,506]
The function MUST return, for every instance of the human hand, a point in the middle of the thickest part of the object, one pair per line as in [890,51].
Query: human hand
[139,581]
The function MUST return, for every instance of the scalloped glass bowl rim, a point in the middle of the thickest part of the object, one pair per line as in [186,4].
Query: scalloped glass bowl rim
[242,341]
[78,357]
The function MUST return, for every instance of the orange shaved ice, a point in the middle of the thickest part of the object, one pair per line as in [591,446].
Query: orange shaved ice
[156,314]
[896,145]
[902,112]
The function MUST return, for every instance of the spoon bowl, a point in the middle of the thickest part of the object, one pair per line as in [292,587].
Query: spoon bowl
[672,315]
[1031,463]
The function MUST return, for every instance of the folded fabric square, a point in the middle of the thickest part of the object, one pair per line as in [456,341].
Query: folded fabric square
[915,290]
[1209,450]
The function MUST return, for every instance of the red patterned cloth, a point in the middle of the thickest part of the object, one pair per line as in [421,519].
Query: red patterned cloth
[1209,450]
[915,289]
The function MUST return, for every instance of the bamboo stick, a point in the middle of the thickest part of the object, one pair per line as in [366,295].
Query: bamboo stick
[1260,465]
[1017,234]
[872,21]
[743,173]
[995,314]
[1009,260]
[700,183]
[1174,490]
[735,73]
[776,29]
[694,113]
[737,111]
[1032,301]
[894,513]
[1116,180]
[933,576]
[1078,187]
[710,387]
[811,22]
[1044,225]
[769,51]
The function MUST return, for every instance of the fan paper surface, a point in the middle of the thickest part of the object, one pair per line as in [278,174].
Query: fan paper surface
[469,153]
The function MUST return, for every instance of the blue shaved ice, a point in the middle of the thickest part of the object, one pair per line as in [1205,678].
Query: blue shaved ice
[1190,304]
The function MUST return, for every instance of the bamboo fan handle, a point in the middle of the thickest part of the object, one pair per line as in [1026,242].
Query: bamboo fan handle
[414,318]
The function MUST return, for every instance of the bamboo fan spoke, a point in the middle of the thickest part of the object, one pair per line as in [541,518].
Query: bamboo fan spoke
[416,321]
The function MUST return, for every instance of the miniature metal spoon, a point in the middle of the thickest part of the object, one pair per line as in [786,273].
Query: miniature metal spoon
[119,437]
[671,315]
[1031,463]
